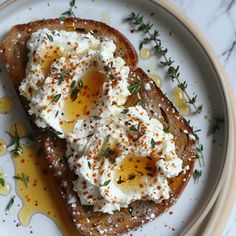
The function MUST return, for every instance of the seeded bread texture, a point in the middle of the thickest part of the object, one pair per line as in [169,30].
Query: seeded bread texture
[14,53]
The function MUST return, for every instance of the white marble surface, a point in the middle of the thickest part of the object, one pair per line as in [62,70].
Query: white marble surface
[216,19]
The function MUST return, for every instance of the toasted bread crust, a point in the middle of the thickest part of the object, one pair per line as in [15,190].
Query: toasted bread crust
[157,105]
[14,52]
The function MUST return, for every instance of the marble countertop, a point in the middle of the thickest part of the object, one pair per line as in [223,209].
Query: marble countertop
[216,19]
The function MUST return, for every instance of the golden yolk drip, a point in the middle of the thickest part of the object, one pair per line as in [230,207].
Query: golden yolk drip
[2,147]
[86,99]
[135,172]
[50,55]
[41,195]
[6,104]
[18,128]
[4,190]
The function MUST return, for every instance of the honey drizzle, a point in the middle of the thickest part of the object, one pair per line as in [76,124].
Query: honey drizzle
[2,147]
[18,128]
[135,173]
[86,99]
[6,104]
[42,194]
[4,190]
[50,55]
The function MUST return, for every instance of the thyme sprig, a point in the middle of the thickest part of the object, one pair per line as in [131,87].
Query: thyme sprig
[199,150]
[17,150]
[196,175]
[216,126]
[172,71]
[24,178]
[69,12]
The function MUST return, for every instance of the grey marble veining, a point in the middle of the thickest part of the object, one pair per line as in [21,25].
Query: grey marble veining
[216,19]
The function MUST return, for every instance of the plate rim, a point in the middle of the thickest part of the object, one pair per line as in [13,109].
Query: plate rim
[228,95]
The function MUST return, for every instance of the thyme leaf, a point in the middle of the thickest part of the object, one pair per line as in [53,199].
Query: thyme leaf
[96,117]
[134,88]
[196,175]
[56,98]
[80,83]
[106,182]
[10,203]
[107,153]
[74,93]
[89,165]
[153,143]
[125,111]
[63,75]
[2,182]
[49,37]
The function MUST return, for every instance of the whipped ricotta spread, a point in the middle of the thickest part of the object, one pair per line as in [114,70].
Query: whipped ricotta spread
[77,87]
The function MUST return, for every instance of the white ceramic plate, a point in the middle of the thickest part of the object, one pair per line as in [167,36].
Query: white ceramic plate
[195,67]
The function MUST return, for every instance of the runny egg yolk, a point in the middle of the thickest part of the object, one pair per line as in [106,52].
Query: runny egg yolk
[87,94]
[135,173]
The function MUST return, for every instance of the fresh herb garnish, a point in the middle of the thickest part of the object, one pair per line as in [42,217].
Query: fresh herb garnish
[131,176]
[56,98]
[72,84]
[89,165]
[216,125]
[80,83]
[125,111]
[18,150]
[199,150]
[106,182]
[135,88]
[107,153]
[153,37]
[96,117]
[63,75]
[74,93]
[2,182]
[140,102]
[153,143]
[24,178]
[166,129]
[56,114]
[49,37]
[69,12]
[10,203]
[196,175]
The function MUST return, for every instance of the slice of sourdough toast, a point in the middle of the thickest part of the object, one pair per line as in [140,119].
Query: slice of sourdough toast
[155,102]
[14,51]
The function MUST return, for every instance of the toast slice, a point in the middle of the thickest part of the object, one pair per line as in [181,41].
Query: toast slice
[155,102]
